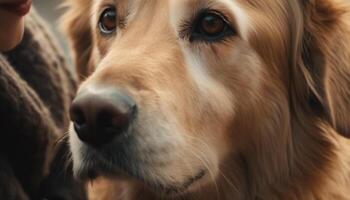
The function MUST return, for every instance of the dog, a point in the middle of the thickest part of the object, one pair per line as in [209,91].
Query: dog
[212,99]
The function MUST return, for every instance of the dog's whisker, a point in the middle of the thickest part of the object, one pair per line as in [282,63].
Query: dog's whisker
[205,163]
[228,181]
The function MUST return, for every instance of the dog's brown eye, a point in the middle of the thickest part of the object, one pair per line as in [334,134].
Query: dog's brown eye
[210,26]
[108,21]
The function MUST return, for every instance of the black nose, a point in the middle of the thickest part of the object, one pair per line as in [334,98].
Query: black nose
[100,116]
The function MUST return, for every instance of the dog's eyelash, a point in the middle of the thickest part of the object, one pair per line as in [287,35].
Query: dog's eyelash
[188,25]
[185,29]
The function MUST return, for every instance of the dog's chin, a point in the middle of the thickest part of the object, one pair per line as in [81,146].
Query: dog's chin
[95,168]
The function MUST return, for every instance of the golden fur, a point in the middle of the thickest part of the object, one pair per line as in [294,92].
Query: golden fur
[267,118]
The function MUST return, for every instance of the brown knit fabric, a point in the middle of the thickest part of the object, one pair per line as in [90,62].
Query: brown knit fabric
[10,188]
[36,88]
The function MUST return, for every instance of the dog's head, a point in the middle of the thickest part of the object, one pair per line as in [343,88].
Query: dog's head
[173,89]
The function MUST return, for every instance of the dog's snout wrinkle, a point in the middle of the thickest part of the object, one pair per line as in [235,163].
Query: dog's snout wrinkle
[101,116]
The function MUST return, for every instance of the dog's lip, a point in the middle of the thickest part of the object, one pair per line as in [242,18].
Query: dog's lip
[182,188]
[98,169]
[89,174]
[91,167]
[100,165]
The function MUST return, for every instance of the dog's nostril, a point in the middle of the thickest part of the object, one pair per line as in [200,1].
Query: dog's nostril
[77,116]
[79,128]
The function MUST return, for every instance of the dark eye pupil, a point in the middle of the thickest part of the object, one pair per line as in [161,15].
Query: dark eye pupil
[212,24]
[108,21]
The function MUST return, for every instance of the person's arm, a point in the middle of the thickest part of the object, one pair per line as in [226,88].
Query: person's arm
[36,88]
[26,128]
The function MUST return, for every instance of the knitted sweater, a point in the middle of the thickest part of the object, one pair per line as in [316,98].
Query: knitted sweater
[36,88]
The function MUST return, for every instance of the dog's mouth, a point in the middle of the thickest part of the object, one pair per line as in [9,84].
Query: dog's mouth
[181,188]
[95,167]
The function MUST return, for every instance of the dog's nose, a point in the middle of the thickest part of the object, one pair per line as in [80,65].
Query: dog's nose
[100,116]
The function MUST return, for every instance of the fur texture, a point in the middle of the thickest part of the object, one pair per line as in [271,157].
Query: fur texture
[264,113]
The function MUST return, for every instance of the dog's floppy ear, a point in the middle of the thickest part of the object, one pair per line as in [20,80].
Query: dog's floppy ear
[324,64]
[76,24]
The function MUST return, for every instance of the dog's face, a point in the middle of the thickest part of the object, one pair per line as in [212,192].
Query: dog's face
[200,81]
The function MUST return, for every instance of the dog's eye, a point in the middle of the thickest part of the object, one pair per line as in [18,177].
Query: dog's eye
[211,26]
[108,21]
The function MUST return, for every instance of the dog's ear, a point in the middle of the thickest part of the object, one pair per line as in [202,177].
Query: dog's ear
[324,64]
[76,25]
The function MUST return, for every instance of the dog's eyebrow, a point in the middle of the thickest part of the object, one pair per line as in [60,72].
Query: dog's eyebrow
[125,9]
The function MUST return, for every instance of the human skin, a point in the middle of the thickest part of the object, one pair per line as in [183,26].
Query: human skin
[12,14]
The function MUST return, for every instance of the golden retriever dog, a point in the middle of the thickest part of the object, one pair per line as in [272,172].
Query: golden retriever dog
[212,99]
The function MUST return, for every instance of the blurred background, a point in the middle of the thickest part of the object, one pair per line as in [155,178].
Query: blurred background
[50,11]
